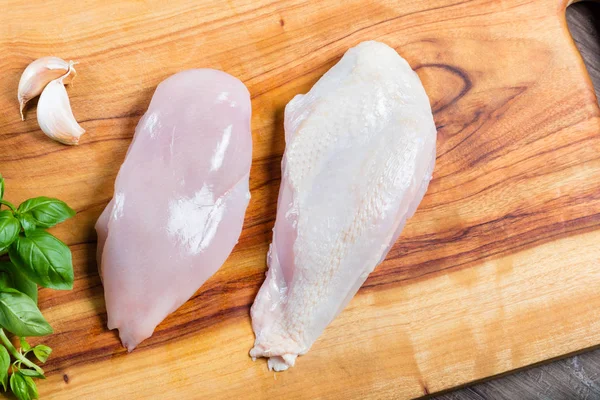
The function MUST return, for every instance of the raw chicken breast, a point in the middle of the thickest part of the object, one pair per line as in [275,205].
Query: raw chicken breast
[360,150]
[180,199]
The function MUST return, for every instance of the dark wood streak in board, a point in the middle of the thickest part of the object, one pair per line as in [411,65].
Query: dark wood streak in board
[432,268]
[522,174]
[177,331]
[467,84]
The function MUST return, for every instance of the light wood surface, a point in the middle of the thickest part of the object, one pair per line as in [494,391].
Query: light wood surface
[578,376]
[498,269]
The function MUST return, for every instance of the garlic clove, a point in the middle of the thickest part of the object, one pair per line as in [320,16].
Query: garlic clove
[38,74]
[54,113]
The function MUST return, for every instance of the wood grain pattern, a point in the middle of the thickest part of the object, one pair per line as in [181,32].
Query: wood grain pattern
[576,377]
[497,270]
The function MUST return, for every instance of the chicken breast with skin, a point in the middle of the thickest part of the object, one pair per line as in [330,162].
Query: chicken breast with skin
[360,150]
[180,199]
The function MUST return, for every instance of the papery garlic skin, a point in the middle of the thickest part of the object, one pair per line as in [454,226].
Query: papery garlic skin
[54,113]
[38,74]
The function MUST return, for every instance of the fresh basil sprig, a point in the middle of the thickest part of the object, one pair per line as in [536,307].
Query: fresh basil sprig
[35,257]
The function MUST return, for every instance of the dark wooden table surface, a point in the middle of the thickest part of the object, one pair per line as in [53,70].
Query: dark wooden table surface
[576,377]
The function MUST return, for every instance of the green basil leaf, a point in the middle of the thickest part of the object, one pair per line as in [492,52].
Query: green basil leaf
[17,280]
[23,386]
[24,345]
[20,315]
[32,388]
[44,259]
[9,230]
[42,352]
[27,222]
[1,187]
[19,386]
[46,211]
[6,280]
[32,373]
[4,365]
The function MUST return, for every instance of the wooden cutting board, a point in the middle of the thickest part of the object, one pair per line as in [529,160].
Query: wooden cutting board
[498,269]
